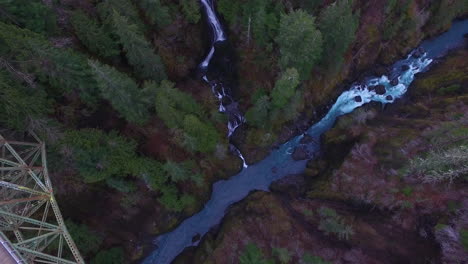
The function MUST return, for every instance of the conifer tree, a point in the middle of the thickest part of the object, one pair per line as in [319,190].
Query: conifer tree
[300,42]
[157,13]
[93,35]
[20,104]
[139,51]
[202,135]
[338,25]
[172,105]
[285,87]
[63,69]
[31,14]
[258,114]
[122,92]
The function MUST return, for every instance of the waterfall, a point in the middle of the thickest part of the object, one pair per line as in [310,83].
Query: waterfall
[227,104]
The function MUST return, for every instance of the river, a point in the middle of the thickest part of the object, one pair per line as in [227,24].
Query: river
[280,163]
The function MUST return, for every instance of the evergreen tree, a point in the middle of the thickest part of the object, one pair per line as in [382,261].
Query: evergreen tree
[258,114]
[182,171]
[300,42]
[111,256]
[338,25]
[285,88]
[86,240]
[252,254]
[191,9]
[175,202]
[31,14]
[93,35]
[172,105]
[63,69]
[122,92]
[99,156]
[19,104]
[125,8]
[138,50]
[157,13]
[203,135]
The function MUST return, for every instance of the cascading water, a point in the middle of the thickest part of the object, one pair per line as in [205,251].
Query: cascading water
[220,90]
[279,163]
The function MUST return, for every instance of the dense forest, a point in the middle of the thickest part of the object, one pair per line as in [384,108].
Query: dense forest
[134,137]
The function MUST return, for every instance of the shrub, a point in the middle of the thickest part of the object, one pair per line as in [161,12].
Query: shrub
[253,255]
[442,165]
[173,201]
[87,241]
[310,259]
[300,42]
[282,254]
[331,222]
[111,256]
[464,238]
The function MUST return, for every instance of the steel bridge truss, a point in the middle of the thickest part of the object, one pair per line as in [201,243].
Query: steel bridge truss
[30,218]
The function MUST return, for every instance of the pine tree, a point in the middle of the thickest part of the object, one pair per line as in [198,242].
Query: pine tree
[191,9]
[31,14]
[99,156]
[63,69]
[122,92]
[338,25]
[93,35]
[202,134]
[157,13]
[258,114]
[172,105]
[300,42]
[285,88]
[125,8]
[19,104]
[138,50]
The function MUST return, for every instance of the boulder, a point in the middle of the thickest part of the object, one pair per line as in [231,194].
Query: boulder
[306,139]
[394,82]
[418,52]
[300,153]
[404,67]
[379,89]
[389,98]
[196,238]
[358,99]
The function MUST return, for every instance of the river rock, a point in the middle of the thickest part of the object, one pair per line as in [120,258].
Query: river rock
[300,153]
[394,82]
[306,139]
[389,98]
[379,89]
[358,99]
[195,238]
[404,67]
[418,52]
[293,184]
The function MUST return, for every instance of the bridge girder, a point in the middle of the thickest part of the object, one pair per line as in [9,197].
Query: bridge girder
[30,219]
